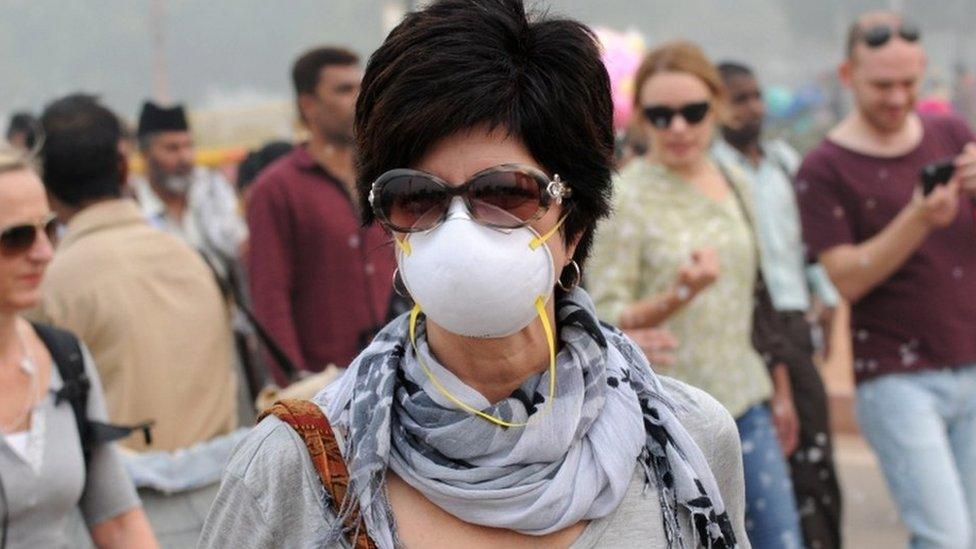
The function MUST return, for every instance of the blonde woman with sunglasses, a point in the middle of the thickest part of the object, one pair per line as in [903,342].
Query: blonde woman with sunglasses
[43,472]
[680,253]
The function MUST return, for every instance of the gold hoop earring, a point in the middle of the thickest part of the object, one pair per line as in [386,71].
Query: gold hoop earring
[402,293]
[576,277]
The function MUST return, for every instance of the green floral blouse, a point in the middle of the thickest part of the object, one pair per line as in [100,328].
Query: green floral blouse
[659,221]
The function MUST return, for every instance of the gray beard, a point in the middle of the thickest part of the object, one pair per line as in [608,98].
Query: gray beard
[178,184]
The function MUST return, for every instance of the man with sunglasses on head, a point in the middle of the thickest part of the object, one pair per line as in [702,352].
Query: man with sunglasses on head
[770,165]
[906,260]
[320,282]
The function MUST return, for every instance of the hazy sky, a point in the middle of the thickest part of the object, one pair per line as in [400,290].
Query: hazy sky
[227,51]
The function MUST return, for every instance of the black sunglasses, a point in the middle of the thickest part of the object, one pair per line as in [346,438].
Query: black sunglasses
[879,35]
[661,116]
[17,239]
[507,197]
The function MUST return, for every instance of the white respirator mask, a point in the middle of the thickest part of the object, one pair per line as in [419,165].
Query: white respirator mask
[474,280]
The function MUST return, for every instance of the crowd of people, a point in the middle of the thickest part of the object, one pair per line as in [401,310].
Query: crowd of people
[519,328]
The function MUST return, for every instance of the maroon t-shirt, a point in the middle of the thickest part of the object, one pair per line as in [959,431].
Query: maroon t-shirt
[924,315]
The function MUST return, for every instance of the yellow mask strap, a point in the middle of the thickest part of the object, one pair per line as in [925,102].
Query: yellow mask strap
[540,306]
[403,244]
[540,240]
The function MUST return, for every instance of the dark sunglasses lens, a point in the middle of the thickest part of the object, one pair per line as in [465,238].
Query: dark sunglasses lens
[877,36]
[909,32]
[659,117]
[412,202]
[505,199]
[695,112]
[18,239]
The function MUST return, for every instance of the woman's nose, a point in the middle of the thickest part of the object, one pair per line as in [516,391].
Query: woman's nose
[678,124]
[43,249]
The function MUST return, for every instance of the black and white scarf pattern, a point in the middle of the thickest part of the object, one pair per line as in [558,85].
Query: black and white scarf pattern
[572,463]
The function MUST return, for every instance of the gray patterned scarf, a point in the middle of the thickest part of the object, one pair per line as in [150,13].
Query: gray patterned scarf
[609,416]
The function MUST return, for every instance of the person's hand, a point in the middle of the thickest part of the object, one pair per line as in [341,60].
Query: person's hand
[785,419]
[941,206]
[966,169]
[658,344]
[700,273]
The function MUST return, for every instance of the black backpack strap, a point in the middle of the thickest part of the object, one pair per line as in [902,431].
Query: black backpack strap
[66,354]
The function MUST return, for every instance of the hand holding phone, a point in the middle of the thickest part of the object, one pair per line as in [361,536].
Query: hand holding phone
[966,170]
[938,207]
[937,173]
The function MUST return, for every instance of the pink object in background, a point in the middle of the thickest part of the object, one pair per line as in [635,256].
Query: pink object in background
[934,105]
[622,55]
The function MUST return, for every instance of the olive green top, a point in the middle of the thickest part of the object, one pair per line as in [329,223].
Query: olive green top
[659,220]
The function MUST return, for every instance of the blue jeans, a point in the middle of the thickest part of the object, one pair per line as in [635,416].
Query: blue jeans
[922,426]
[771,517]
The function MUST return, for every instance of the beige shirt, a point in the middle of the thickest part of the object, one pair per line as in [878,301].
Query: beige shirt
[148,308]
[658,221]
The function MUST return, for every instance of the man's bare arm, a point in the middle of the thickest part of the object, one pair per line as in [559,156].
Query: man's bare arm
[856,269]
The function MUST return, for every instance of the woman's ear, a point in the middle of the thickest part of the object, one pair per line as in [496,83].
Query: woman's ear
[571,247]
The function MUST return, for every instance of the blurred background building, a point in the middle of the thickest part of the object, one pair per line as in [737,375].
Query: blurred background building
[228,59]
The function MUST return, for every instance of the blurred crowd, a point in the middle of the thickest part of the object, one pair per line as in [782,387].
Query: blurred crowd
[150,316]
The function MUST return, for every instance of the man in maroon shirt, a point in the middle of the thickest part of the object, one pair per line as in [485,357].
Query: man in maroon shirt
[320,282]
[907,264]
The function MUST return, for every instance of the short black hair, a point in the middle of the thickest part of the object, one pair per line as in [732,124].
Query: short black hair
[80,154]
[731,69]
[459,64]
[305,72]
[258,160]
[25,123]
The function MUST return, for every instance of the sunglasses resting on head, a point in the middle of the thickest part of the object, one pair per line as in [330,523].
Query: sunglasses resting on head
[876,36]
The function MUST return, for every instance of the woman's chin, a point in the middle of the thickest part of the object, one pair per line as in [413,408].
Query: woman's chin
[679,161]
[22,301]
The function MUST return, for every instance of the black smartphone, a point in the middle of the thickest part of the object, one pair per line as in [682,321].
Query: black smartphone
[937,173]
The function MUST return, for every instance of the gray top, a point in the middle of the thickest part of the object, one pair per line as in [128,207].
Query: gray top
[44,489]
[270,495]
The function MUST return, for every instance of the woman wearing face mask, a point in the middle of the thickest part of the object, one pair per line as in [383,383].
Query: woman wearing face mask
[500,412]
[680,252]
[44,476]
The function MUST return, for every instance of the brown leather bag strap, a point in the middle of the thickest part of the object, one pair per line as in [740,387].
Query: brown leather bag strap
[307,419]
